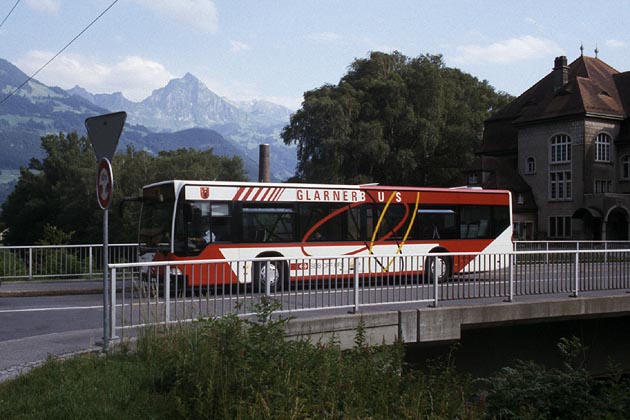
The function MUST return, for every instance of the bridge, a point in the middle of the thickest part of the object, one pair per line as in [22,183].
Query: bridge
[537,282]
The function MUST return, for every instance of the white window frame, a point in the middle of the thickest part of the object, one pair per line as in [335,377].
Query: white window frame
[602,186]
[602,147]
[559,226]
[560,149]
[560,185]
[625,167]
[530,165]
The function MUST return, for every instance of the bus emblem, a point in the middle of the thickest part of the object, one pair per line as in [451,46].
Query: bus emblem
[205,192]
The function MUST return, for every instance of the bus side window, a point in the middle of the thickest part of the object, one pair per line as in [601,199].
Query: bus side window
[438,223]
[328,227]
[221,223]
[475,222]
[268,224]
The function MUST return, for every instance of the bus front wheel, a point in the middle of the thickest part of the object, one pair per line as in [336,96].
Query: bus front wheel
[272,272]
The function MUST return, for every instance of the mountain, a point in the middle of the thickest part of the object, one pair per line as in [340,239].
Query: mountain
[187,103]
[104,100]
[34,110]
[161,121]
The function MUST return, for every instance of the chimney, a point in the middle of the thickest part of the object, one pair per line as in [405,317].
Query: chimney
[560,73]
[263,163]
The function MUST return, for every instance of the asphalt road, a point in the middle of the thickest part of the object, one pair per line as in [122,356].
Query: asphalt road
[39,319]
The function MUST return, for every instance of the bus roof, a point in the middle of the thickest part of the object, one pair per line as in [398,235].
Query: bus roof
[178,184]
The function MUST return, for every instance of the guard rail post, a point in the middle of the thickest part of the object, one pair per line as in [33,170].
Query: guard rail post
[91,259]
[167,293]
[112,305]
[435,281]
[577,273]
[30,263]
[267,276]
[512,260]
[356,285]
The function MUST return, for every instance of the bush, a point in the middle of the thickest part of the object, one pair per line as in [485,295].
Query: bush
[243,369]
[527,390]
[11,264]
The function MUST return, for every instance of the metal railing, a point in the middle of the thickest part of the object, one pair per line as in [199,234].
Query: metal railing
[164,292]
[569,245]
[60,261]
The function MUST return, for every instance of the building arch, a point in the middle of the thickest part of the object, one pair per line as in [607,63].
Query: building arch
[617,224]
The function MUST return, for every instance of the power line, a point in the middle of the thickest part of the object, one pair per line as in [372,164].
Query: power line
[58,54]
[10,11]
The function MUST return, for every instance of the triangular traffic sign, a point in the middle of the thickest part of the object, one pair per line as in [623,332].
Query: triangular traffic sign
[104,132]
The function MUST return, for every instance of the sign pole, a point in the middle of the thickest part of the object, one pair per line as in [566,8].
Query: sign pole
[104,132]
[106,324]
[104,195]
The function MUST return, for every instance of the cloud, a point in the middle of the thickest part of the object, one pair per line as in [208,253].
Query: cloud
[134,76]
[47,6]
[200,14]
[507,51]
[238,46]
[615,43]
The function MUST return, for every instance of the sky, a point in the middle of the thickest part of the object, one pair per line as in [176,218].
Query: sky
[276,50]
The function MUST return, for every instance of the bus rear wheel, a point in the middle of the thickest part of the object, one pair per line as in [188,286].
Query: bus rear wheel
[442,267]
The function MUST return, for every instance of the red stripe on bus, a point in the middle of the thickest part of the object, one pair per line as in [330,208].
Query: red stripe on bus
[268,192]
[257,195]
[238,194]
[249,192]
[276,197]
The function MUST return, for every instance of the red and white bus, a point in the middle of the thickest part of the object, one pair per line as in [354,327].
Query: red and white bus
[201,220]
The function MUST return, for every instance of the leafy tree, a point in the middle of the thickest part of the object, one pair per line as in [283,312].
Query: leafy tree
[392,119]
[57,194]
[56,191]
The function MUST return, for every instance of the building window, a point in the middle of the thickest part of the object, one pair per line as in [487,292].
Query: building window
[560,185]
[560,149]
[625,167]
[560,226]
[530,165]
[602,148]
[603,186]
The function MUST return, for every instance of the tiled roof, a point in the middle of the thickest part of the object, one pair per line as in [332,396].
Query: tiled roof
[592,87]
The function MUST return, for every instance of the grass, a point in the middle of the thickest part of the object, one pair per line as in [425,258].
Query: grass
[239,369]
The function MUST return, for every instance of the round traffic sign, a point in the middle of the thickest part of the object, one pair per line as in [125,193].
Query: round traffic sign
[104,183]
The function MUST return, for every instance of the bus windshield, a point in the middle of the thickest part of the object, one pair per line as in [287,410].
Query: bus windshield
[156,218]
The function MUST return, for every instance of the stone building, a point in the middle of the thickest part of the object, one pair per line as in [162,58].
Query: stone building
[563,149]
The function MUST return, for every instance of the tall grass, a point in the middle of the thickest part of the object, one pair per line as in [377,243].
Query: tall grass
[232,368]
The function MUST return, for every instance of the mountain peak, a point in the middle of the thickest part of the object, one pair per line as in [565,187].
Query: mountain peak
[188,77]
